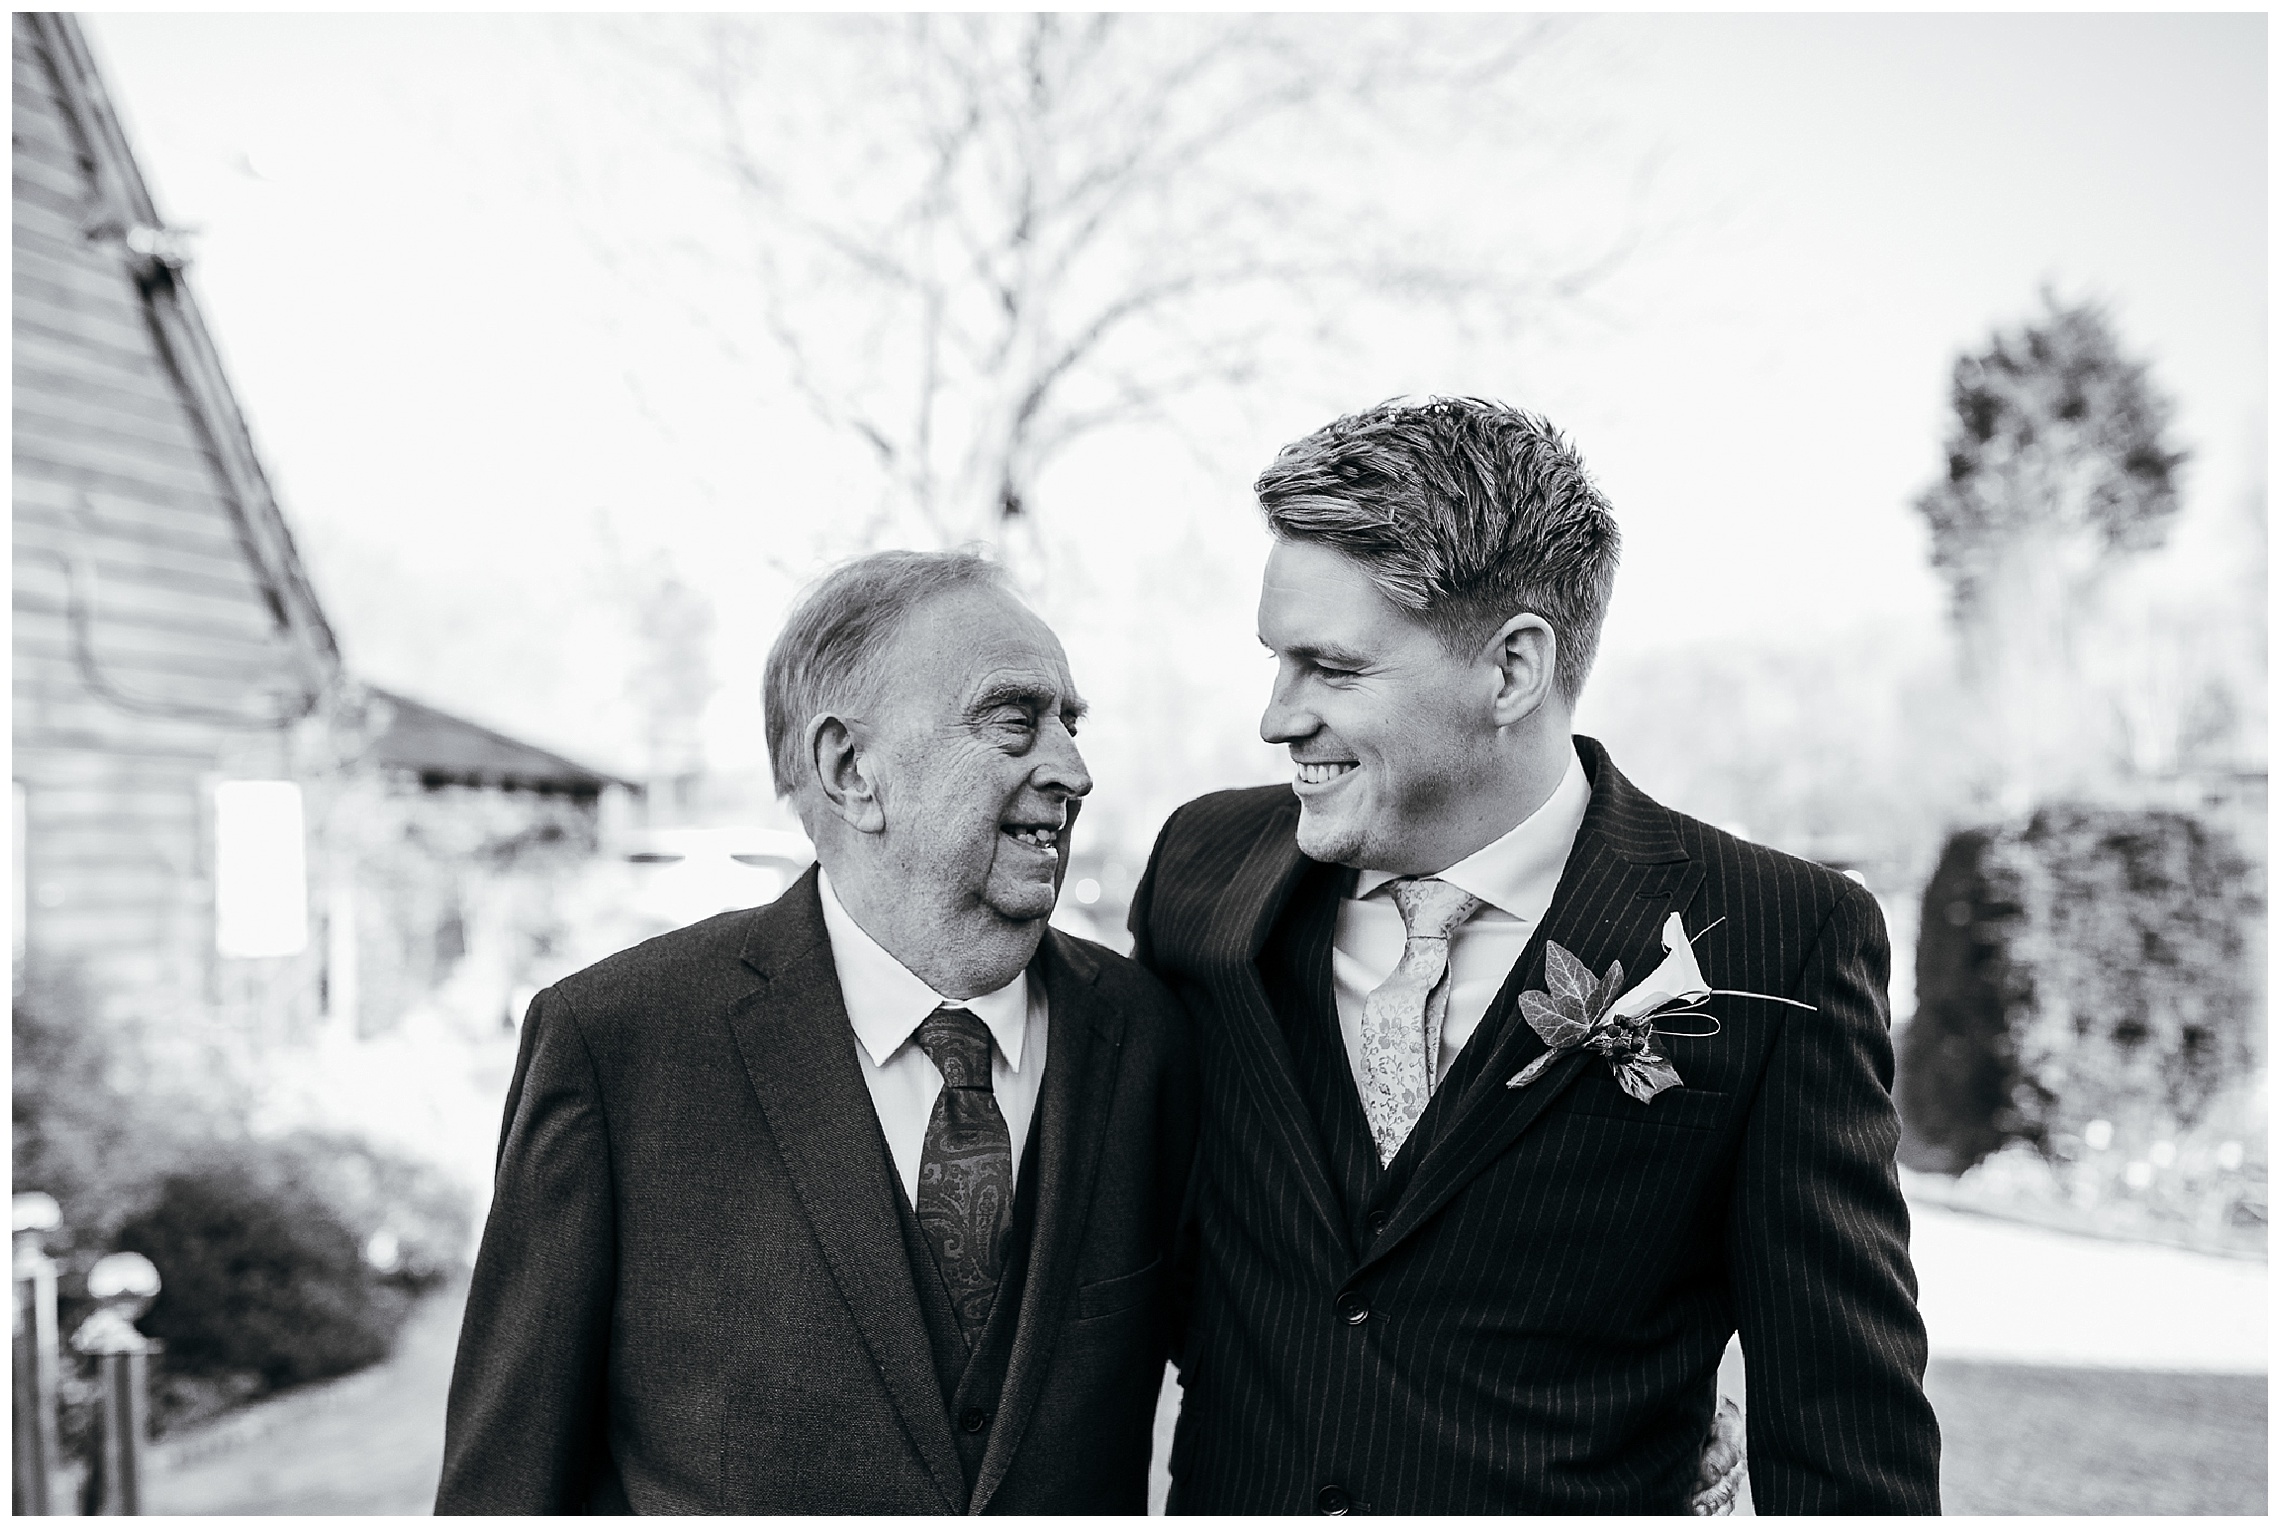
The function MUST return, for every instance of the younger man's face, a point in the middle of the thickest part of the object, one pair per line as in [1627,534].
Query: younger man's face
[1390,735]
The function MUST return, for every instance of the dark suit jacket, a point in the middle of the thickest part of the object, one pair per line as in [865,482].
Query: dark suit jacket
[1544,1290]
[693,1293]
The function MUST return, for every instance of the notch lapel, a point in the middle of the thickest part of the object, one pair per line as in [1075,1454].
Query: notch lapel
[798,1050]
[1625,876]
[1244,917]
[1078,1090]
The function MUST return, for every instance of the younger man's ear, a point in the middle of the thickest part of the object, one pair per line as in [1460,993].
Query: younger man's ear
[841,776]
[1525,652]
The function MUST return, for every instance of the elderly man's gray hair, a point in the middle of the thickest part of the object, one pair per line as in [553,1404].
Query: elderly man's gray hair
[828,656]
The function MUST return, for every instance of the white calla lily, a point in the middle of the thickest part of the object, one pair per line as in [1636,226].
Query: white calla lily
[1678,980]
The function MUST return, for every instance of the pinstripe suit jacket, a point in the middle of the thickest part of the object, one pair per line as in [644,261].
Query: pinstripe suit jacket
[1530,1316]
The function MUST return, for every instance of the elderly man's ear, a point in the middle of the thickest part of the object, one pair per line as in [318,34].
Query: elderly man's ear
[841,776]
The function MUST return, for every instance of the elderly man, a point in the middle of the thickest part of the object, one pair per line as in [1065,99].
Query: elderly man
[1470,1230]
[857,1202]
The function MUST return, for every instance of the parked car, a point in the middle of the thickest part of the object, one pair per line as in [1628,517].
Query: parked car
[681,875]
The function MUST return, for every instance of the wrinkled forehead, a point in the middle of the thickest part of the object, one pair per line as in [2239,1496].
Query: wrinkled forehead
[958,649]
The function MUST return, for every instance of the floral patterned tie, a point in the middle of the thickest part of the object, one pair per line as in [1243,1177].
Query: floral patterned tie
[965,1168]
[1401,1022]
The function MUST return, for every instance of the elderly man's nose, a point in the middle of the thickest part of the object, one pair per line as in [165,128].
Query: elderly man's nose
[1068,771]
[1062,768]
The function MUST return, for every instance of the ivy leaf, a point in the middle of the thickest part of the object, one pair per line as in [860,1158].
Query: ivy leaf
[1559,1024]
[1570,978]
[1603,999]
[1644,1076]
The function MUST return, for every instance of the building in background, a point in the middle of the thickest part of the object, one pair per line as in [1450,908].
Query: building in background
[172,666]
[460,859]
[218,833]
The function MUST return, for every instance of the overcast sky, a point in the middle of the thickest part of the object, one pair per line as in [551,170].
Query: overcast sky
[393,245]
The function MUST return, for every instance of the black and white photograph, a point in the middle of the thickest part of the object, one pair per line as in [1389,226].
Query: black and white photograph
[1138,763]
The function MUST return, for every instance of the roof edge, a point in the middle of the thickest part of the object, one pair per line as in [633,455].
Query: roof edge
[188,349]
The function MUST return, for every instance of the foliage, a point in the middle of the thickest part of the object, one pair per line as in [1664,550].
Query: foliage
[260,1276]
[2058,469]
[265,1245]
[2091,967]
[2132,965]
[1955,1062]
[2054,430]
[86,1128]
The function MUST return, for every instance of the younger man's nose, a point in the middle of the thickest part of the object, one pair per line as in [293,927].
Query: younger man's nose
[1285,722]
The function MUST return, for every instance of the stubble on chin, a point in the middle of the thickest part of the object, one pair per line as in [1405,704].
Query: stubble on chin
[1327,842]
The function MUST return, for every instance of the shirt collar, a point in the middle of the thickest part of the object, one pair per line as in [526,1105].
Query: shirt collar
[886,1002]
[1518,873]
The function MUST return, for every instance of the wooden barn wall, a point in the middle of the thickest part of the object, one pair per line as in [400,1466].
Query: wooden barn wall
[122,522]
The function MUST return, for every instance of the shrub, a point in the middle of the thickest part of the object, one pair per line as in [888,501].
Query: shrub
[260,1276]
[83,1131]
[1956,1064]
[2092,965]
[260,1242]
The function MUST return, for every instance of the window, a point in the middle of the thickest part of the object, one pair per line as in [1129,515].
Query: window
[261,869]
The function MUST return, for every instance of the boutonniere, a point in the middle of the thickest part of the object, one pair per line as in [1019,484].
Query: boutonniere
[1583,1012]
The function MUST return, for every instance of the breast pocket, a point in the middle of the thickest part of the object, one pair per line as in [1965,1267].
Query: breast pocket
[1682,1108]
[1105,1297]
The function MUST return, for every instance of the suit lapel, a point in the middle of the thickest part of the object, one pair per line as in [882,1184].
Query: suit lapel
[1086,1034]
[1238,930]
[1624,877]
[798,1051]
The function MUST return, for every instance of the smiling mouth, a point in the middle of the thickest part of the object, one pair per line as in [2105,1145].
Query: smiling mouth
[1034,837]
[1323,774]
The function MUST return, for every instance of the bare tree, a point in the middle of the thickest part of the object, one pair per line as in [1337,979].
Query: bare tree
[979,239]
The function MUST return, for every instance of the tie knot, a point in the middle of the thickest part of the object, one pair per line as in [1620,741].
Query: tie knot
[1430,908]
[958,1043]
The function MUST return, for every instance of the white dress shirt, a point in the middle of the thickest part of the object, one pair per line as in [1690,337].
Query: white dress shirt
[1514,877]
[885,1006]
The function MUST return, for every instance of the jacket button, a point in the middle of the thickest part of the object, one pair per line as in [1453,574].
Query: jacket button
[1376,1223]
[1354,1309]
[974,1420]
[1334,1501]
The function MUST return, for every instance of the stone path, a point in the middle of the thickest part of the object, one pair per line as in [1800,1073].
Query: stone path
[368,1443]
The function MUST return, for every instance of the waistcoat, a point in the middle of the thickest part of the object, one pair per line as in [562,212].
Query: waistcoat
[971,1379]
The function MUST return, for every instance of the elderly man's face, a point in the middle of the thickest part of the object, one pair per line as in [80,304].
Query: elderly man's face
[975,758]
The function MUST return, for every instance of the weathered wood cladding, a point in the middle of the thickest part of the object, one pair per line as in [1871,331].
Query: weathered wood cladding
[146,549]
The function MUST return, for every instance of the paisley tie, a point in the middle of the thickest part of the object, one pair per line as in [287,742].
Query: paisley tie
[1401,1022]
[965,1168]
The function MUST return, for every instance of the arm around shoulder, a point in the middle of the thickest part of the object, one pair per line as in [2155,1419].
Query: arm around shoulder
[526,1427]
[1818,1250]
